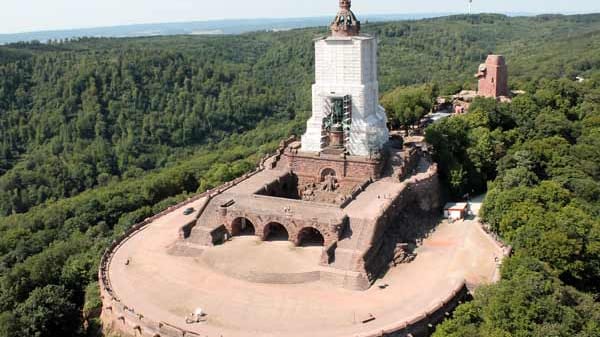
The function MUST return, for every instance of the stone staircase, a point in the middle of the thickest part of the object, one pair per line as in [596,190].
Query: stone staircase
[200,233]
[353,245]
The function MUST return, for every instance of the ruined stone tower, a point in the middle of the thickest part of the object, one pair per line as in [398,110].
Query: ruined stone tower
[493,77]
[346,113]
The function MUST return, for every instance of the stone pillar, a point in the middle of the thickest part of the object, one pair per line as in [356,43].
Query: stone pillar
[260,232]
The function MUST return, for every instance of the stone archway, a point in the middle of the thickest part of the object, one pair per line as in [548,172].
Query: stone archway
[274,231]
[310,237]
[242,227]
[326,172]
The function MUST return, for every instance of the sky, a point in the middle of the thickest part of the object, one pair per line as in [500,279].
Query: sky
[33,15]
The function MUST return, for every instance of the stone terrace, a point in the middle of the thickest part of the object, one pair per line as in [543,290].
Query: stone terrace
[153,293]
[352,231]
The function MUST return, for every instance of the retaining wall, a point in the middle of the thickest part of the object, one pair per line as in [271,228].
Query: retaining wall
[422,324]
[120,319]
[422,189]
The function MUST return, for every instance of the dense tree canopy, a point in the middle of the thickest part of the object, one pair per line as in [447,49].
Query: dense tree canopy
[76,119]
[539,155]
[528,302]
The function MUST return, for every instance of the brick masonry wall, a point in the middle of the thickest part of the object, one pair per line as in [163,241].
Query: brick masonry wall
[312,167]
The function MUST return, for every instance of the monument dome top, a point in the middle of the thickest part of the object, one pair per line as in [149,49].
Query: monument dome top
[345,22]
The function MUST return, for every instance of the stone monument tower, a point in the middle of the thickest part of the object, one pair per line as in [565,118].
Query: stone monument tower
[493,77]
[346,115]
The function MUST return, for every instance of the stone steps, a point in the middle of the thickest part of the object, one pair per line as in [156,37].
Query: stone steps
[344,259]
[357,227]
[351,248]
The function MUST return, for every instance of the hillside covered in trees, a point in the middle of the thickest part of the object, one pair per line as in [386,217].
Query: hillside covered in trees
[540,159]
[97,134]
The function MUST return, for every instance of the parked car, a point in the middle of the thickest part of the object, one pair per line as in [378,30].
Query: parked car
[188,211]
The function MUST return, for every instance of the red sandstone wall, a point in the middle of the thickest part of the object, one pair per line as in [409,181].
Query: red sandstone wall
[422,189]
[294,226]
[312,167]
[422,324]
[117,317]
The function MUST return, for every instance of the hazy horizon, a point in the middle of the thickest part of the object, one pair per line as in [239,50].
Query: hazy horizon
[210,27]
[26,16]
[222,27]
[363,16]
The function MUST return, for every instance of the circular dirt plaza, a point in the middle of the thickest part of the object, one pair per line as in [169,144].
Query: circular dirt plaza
[249,287]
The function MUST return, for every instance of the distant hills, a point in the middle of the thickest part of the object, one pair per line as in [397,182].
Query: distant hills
[198,27]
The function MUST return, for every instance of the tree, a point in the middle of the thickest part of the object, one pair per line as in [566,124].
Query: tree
[407,105]
[498,114]
[529,301]
[48,312]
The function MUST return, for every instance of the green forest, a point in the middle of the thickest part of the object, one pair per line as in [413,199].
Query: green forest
[98,134]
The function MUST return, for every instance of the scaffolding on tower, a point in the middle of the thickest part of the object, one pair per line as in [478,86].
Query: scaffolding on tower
[327,109]
[347,121]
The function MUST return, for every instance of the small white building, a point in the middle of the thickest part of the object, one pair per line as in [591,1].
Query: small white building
[455,210]
[437,117]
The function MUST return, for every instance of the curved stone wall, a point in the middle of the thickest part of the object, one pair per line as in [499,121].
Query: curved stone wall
[118,318]
[421,324]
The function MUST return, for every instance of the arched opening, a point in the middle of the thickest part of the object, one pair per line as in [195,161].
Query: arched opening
[275,231]
[326,173]
[242,226]
[310,237]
